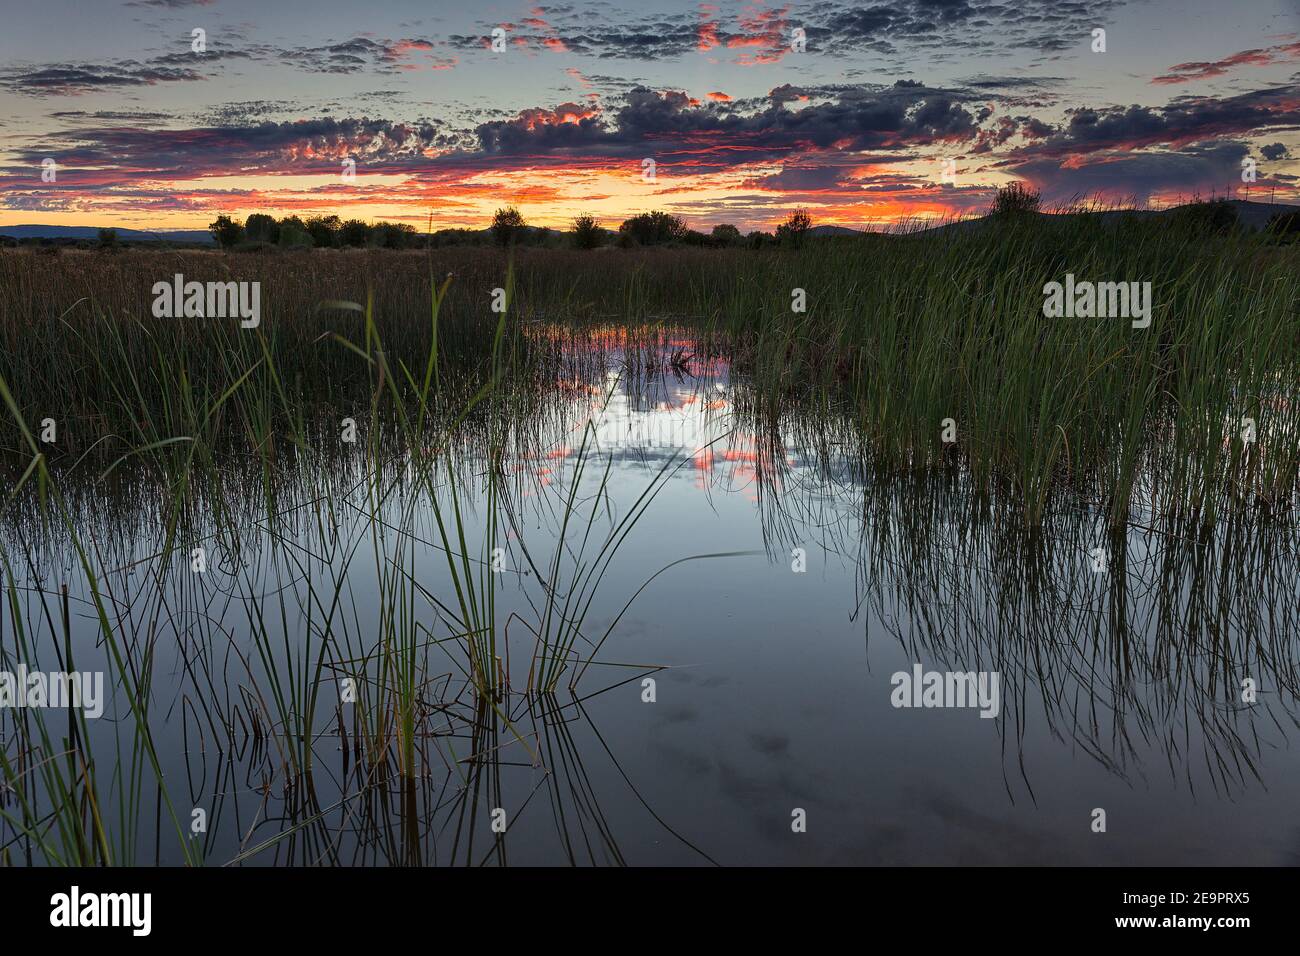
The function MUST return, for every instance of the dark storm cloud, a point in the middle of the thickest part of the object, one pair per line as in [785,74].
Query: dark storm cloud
[802,179]
[297,147]
[711,135]
[1184,120]
[818,133]
[686,136]
[811,177]
[1139,176]
[73,79]
[1033,128]
[358,54]
[122,116]
[247,112]
[1191,144]
[346,57]
[1012,84]
[832,28]
[748,36]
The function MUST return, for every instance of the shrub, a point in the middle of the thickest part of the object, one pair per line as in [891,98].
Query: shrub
[586,232]
[324,231]
[394,235]
[653,228]
[792,231]
[507,224]
[725,234]
[226,232]
[260,227]
[294,234]
[1016,198]
[354,232]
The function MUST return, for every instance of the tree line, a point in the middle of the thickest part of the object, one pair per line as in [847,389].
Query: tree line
[509,228]
[327,232]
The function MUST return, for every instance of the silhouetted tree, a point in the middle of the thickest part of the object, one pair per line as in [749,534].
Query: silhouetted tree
[507,224]
[354,232]
[586,232]
[394,235]
[260,227]
[653,228]
[1016,198]
[324,231]
[725,234]
[454,237]
[792,231]
[293,234]
[226,231]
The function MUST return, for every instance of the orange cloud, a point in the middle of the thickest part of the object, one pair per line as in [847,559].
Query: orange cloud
[1203,70]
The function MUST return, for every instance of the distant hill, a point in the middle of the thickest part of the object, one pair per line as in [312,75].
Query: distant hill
[1251,215]
[92,232]
[1255,215]
[834,231]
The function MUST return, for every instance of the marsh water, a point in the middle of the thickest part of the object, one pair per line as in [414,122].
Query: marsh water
[734,673]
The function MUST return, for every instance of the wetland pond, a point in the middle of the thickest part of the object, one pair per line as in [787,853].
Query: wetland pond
[736,611]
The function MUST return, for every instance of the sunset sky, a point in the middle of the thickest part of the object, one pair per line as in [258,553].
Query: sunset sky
[146,133]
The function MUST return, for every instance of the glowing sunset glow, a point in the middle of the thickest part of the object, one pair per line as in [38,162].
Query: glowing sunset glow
[144,132]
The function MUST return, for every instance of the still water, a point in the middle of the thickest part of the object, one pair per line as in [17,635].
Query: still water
[746,641]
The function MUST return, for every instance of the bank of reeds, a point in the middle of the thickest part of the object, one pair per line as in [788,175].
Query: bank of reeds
[903,332]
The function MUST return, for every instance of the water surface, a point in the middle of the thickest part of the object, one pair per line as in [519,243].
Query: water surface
[778,579]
